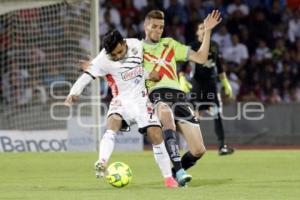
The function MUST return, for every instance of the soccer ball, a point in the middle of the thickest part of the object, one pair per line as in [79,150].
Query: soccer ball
[119,174]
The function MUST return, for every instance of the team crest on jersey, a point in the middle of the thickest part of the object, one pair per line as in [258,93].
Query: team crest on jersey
[132,73]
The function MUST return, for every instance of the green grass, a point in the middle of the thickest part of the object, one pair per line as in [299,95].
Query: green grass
[245,175]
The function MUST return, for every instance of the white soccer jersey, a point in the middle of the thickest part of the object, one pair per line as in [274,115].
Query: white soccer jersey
[127,81]
[126,76]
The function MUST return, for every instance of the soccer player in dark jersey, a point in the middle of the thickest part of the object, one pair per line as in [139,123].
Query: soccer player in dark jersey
[204,93]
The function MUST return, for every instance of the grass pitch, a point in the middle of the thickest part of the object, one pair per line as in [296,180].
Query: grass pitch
[254,175]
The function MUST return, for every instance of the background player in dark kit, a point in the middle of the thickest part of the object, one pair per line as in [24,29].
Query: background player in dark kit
[204,93]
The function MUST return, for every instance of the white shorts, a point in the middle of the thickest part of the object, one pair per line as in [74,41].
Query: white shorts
[139,111]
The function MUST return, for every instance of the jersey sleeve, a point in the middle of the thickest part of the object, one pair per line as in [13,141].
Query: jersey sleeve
[181,51]
[80,84]
[97,66]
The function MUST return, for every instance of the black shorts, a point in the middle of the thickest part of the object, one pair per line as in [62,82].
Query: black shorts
[178,102]
[204,94]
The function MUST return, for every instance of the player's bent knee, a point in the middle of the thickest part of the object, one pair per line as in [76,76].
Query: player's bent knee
[167,120]
[155,134]
[199,151]
[167,126]
[114,122]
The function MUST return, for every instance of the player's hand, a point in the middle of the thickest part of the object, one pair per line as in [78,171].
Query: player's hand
[212,20]
[70,100]
[84,64]
[154,76]
[227,87]
[185,85]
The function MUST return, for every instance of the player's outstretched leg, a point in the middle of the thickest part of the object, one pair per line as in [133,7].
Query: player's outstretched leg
[166,118]
[107,143]
[193,137]
[100,169]
[161,156]
[173,150]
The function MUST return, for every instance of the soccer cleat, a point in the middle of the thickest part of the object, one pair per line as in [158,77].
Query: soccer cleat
[170,182]
[225,150]
[182,178]
[100,169]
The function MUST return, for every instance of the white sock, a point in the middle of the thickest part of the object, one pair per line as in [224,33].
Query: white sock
[107,144]
[162,159]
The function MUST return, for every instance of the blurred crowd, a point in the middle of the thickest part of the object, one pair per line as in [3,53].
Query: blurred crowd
[39,47]
[259,40]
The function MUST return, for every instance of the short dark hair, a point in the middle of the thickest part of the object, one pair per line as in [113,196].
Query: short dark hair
[155,14]
[111,39]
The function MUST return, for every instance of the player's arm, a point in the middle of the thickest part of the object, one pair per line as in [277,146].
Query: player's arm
[90,73]
[85,64]
[210,22]
[185,85]
[152,76]
[222,75]
[226,85]
[77,88]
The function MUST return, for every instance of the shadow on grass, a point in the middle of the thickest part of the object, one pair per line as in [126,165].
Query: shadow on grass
[209,182]
[156,185]
[192,184]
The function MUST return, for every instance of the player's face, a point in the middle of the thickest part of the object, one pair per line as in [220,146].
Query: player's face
[200,32]
[119,52]
[154,29]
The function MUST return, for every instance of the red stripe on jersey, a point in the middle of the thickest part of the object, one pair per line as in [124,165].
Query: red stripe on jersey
[163,52]
[163,72]
[171,69]
[148,54]
[112,84]
[170,55]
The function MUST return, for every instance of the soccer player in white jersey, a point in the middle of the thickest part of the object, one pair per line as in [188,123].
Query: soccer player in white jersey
[120,61]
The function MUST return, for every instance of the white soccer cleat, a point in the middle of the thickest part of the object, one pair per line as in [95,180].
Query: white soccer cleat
[100,169]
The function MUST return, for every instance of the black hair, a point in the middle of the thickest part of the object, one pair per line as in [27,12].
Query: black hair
[111,39]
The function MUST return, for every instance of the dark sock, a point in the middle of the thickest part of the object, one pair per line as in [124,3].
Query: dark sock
[219,130]
[172,148]
[188,160]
